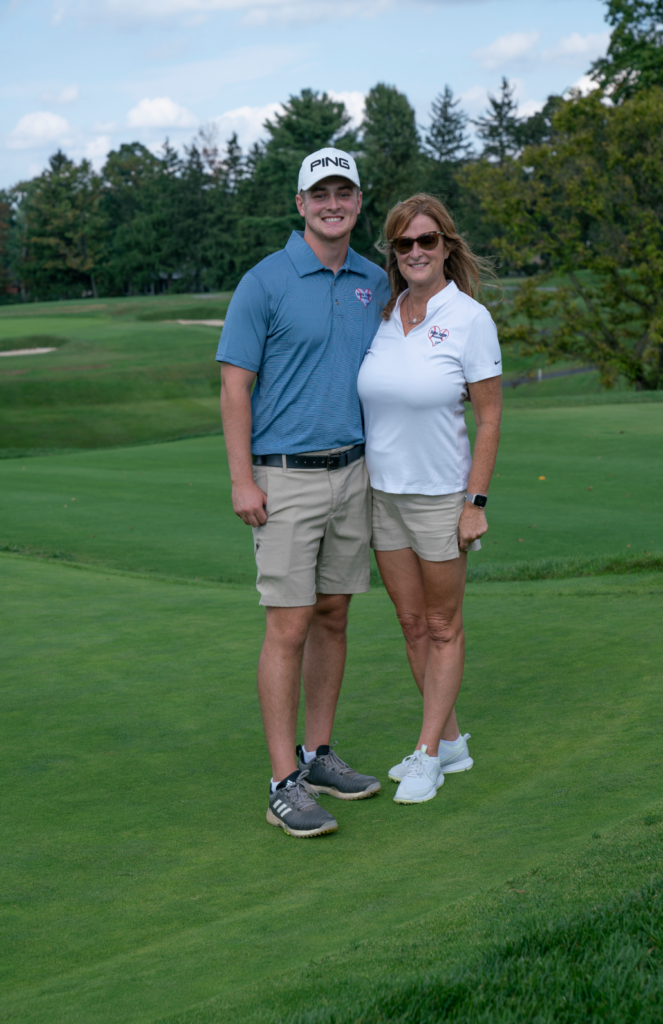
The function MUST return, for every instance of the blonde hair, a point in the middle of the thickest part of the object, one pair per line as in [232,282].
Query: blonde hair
[462,266]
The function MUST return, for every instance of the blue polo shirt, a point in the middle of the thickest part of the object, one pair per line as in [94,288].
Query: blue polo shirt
[305,331]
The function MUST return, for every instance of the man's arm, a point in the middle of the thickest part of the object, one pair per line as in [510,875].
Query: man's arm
[249,500]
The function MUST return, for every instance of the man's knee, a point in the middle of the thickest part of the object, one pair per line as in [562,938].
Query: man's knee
[287,627]
[331,611]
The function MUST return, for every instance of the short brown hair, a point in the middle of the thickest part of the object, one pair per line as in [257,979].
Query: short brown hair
[461,266]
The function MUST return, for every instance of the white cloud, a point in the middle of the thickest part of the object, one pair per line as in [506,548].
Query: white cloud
[97,149]
[247,122]
[584,85]
[355,104]
[510,47]
[474,100]
[69,94]
[40,129]
[575,47]
[161,112]
[529,107]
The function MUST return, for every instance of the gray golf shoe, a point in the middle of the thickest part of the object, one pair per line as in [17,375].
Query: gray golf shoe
[294,808]
[328,774]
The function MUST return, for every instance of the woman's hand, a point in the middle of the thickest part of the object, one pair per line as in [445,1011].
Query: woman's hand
[471,526]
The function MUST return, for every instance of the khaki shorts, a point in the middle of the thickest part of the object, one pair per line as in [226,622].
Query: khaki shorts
[427,523]
[317,535]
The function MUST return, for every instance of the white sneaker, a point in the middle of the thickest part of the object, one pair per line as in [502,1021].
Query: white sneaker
[422,781]
[457,760]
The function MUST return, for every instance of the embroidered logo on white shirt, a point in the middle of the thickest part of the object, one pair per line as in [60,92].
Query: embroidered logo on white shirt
[438,334]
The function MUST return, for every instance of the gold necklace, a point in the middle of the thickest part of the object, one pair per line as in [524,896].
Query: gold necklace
[416,319]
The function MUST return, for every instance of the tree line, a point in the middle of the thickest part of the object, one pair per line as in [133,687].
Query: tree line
[570,199]
[197,220]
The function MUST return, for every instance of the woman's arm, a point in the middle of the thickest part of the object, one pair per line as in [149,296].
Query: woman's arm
[486,398]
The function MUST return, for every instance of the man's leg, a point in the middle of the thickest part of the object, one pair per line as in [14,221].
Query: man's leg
[323,666]
[279,682]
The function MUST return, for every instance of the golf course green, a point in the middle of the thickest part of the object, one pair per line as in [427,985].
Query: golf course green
[140,881]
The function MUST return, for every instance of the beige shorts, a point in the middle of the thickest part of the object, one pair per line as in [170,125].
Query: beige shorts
[317,535]
[427,523]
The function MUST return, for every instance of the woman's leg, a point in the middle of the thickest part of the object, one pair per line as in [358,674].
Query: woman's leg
[404,582]
[402,573]
[444,588]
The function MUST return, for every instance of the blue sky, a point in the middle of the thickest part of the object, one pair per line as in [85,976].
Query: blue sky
[87,75]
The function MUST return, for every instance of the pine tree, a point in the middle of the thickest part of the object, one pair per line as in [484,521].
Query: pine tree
[499,128]
[447,141]
[391,167]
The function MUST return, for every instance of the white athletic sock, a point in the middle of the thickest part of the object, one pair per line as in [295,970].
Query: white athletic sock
[451,743]
[273,786]
[307,757]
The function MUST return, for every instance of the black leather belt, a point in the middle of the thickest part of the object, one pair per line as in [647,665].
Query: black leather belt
[312,461]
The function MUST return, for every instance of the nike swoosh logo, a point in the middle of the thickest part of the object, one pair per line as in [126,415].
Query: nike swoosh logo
[497,361]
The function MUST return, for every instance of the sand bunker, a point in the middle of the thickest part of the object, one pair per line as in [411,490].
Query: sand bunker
[203,323]
[27,352]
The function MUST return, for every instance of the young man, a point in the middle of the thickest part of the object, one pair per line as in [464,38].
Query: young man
[298,326]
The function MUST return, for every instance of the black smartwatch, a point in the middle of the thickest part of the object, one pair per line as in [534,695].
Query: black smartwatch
[479,500]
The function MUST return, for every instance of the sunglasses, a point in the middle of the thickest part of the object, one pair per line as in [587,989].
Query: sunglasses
[427,241]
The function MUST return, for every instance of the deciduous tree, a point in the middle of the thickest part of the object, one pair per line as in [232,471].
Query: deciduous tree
[64,229]
[634,60]
[590,209]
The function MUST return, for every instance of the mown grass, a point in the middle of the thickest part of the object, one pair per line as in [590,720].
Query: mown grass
[117,355]
[166,508]
[140,878]
[124,372]
[140,881]
[599,964]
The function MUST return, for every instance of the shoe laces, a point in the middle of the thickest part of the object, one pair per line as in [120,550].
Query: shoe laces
[333,761]
[300,794]
[417,766]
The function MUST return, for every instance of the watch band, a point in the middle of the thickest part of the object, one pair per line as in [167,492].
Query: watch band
[480,500]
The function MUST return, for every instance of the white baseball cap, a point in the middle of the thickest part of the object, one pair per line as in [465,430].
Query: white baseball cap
[325,163]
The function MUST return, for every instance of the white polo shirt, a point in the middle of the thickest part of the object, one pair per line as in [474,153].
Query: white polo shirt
[412,390]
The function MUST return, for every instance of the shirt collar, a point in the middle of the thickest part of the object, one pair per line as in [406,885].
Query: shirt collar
[306,262]
[435,303]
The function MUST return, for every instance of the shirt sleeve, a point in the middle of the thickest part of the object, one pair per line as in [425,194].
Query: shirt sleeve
[247,325]
[482,357]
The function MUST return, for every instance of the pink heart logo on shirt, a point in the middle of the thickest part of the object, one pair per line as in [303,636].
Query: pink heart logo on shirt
[438,334]
[365,295]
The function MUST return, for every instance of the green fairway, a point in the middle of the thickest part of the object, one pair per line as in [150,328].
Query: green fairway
[140,881]
[140,875]
[166,508]
[123,371]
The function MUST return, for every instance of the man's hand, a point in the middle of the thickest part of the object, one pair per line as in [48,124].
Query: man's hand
[249,503]
[472,525]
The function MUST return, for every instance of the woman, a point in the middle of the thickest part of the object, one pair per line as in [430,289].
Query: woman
[436,348]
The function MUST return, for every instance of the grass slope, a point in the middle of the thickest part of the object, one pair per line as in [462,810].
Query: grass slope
[123,372]
[116,356]
[139,876]
[166,508]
